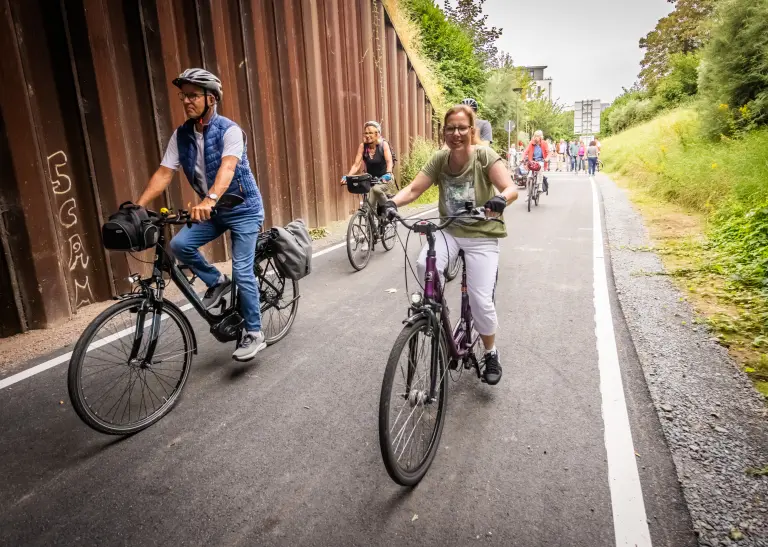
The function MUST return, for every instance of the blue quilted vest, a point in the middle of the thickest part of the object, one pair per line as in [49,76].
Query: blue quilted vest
[243,183]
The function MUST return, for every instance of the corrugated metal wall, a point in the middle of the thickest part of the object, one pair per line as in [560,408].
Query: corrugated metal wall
[87,107]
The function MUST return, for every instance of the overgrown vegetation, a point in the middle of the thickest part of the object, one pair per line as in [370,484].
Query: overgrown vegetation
[421,151]
[725,183]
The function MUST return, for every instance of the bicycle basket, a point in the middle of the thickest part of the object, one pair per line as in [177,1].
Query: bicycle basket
[129,229]
[359,184]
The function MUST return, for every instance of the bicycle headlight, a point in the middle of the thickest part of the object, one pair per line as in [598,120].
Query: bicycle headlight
[133,278]
[416,299]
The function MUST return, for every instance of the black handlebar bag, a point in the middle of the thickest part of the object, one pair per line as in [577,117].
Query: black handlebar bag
[130,229]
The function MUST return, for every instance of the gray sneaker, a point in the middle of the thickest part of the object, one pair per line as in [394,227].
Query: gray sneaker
[213,294]
[249,346]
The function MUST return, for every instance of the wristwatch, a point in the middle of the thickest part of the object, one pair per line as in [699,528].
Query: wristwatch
[213,196]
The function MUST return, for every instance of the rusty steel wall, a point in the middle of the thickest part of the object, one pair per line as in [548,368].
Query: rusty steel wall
[87,109]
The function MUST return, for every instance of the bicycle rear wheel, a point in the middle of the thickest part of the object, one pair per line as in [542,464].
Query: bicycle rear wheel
[359,240]
[410,423]
[112,386]
[279,300]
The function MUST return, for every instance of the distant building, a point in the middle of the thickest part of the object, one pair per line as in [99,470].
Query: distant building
[586,116]
[542,86]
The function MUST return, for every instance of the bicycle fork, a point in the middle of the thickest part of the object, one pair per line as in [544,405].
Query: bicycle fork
[154,333]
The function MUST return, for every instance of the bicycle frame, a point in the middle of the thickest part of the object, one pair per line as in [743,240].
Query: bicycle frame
[457,339]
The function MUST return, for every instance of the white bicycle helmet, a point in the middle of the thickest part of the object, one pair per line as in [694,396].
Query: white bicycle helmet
[201,78]
[470,102]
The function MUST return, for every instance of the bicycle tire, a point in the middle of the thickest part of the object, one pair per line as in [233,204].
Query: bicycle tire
[530,190]
[452,270]
[75,377]
[353,238]
[273,296]
[402,476]
[388,236]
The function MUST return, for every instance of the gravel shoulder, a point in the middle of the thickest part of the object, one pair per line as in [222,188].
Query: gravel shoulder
[714,421]
[17,351]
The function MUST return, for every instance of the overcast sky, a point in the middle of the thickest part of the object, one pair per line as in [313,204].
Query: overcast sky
[590,46]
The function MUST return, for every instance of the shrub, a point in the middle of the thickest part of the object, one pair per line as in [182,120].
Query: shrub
[734,75]
[413,161]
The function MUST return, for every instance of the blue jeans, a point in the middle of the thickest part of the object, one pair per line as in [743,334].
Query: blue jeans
[592,165]
[244,224]
[573,163]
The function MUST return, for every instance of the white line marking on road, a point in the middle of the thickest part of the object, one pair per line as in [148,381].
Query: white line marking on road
[37,369]
[67,356]
[629,519]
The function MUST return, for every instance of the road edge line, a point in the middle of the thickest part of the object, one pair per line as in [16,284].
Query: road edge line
[630,522]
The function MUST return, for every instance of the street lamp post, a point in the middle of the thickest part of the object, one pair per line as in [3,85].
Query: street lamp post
[517,115]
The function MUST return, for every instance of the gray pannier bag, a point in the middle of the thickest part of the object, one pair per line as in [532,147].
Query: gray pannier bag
[292,247]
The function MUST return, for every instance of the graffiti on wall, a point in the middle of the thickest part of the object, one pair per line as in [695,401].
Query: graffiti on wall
[77,257]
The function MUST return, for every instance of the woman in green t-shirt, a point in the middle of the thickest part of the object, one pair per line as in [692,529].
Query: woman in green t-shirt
[465,172]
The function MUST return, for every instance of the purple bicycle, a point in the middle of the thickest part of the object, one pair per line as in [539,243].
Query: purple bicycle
[413,392]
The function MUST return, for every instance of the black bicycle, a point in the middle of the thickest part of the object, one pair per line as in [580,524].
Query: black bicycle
[366,227]
[130,364]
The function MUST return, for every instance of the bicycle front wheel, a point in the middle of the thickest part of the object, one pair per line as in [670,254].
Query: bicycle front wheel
[388,235]
[279,299]
[531,182]
[411,419]
[359,240]
[114,385]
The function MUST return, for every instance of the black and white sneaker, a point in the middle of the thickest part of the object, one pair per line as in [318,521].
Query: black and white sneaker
[213,294]
[249,346]
[492,371]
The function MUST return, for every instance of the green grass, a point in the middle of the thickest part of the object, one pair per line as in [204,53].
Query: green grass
[421,151]
[720,254]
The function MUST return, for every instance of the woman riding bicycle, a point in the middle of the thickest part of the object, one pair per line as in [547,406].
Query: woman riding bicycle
[375,154]
[465,172]
[538,151]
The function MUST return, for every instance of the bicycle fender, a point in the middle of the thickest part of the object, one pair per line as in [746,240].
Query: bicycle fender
[419,314]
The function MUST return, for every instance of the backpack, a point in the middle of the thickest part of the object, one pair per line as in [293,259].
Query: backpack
[130,229]
[292,247]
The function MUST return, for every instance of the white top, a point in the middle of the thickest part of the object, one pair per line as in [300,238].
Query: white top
[233,146]
[562,148]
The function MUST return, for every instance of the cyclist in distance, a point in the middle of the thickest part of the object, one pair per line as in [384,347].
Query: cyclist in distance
[211,151]
[483,127]
[374,156]
[538,151]
[466,172]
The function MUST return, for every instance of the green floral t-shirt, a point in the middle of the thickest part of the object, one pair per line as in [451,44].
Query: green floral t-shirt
[471,184]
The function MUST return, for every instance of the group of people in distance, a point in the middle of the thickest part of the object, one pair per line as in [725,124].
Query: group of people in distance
[572,155]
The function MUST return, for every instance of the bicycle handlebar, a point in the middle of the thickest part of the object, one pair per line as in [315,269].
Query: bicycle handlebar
[478,213]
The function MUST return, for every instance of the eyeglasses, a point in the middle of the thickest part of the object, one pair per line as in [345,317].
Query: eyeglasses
[460,129]
[191,96]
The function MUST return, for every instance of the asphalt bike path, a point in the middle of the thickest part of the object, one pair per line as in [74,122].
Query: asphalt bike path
[284,450]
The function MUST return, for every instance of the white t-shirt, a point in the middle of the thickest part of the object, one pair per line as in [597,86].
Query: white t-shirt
[233,146]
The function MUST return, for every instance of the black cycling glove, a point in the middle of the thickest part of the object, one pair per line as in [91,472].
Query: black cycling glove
[496,204]
[389,209]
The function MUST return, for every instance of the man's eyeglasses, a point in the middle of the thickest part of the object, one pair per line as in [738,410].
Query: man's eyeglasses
[460,129]
[191,96]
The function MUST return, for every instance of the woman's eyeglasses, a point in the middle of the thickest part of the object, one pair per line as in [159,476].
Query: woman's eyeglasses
[460,129]
[190,96]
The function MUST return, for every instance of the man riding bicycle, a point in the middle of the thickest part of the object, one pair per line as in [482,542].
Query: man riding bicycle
[211,151]
[483,127]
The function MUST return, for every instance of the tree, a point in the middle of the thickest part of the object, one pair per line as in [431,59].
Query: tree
[501,102]
[685,30]
[734,74]
[549,117]
[460,69]
[468,15]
